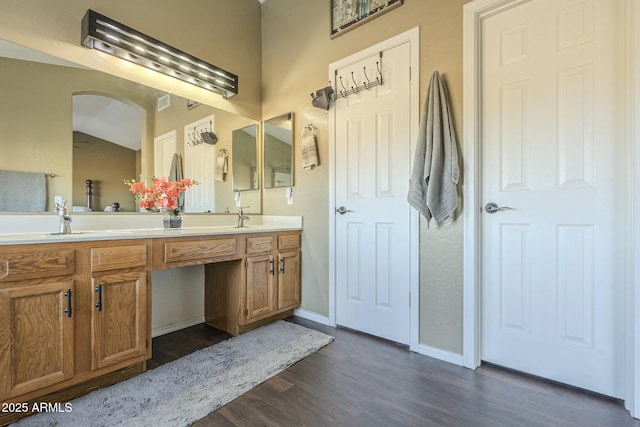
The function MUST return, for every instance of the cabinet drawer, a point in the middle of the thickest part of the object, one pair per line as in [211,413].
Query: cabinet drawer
[257,245]
[116,257]
[199,250]
[288,241]
[36,264]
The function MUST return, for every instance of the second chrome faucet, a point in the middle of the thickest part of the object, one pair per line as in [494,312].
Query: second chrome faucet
[242,217]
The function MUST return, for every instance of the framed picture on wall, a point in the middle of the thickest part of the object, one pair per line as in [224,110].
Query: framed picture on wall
[349,14]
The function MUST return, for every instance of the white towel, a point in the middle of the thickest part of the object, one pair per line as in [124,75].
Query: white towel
[222,165]
[434,181]
[22,191]
[309,149]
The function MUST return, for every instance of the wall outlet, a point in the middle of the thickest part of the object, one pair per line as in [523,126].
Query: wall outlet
[57,199]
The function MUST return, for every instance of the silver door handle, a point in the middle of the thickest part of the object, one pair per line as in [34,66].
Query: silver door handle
[342,210]
[492,208]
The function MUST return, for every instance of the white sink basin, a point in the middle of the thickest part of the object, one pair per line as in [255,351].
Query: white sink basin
[74,233]
[96,233]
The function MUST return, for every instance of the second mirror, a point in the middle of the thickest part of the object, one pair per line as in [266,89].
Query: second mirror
[245,158]
[277,164]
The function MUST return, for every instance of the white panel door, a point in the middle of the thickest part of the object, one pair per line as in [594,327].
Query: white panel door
[373,162]
[164,148]
[552,150]
[199,164]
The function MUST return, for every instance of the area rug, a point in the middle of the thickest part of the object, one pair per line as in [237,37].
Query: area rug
[188,389]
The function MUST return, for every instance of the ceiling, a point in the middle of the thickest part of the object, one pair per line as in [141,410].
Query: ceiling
[108,119]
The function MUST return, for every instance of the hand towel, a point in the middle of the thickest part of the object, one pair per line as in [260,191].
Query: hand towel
[222,165]
[309,148]
[434,180]
[22,191]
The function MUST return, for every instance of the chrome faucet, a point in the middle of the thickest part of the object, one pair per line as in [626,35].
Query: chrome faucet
[242,217]
[65,218]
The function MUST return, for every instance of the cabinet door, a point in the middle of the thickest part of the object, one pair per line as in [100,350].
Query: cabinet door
[288,279]
[260,291]
[119,317]
[36,336]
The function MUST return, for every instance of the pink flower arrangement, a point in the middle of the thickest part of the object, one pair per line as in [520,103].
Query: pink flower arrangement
[161,196]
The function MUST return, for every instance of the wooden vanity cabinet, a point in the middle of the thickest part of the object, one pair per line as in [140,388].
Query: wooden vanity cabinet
[288,271]
[258,287]
[273,278]
[185,251]
[36,319]
[265,285]
[119,312]
[52,335]
[260,292]
[77,315]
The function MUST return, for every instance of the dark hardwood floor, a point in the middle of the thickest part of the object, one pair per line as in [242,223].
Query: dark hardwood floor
[359,380]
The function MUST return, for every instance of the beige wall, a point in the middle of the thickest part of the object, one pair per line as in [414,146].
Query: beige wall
[297,51]
[106,164]
[29,142]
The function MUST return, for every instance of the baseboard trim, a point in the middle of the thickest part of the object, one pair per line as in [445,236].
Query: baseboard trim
[436,353]
[172,327]
[310,315]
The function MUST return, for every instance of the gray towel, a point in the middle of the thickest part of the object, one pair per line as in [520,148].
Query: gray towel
[434,180]
[22,191]
[175,174]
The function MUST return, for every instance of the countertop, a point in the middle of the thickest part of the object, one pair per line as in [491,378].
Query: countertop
[145,233]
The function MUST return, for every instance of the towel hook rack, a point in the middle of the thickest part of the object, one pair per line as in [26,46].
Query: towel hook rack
[344,88]
[367,85]
[358,88]
[355,90]
[193,138]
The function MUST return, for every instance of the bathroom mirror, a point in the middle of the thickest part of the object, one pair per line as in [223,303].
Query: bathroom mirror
[277,163]
[245,158]
[37,135]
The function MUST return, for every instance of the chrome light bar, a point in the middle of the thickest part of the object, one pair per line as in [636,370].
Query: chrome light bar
[107,35]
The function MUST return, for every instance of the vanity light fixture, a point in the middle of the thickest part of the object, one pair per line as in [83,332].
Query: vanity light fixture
[107,35]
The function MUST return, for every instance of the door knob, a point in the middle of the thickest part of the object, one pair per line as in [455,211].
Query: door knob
[342,210]
[492,208]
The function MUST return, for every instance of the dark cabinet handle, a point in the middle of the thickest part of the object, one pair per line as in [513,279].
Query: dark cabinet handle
[272,267]
[99,303]
[68,310]
[282,265]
